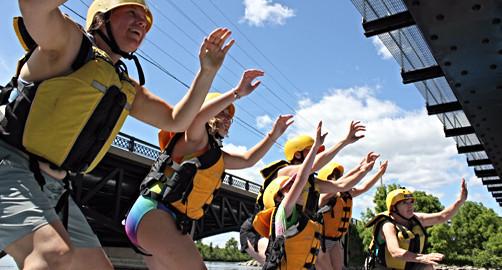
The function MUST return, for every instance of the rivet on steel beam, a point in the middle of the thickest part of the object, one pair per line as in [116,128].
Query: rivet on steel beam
[434,37]
[440,17]
[454,48]
[476,7]
[493,67]
[485,41]
[464,72]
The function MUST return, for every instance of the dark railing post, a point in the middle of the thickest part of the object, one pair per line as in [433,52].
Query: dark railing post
[247,185]
[230,180]
[131,144]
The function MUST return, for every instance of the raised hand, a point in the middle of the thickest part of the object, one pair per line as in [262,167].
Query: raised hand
[369,161]
[281,124]
[246,85]
[355,126]
[213,49]
[383,167]
[463,191]
[319,139]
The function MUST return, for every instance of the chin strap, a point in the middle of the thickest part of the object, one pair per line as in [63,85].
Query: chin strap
[110,41]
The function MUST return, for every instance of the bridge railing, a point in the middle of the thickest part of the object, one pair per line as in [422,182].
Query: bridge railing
[148,150]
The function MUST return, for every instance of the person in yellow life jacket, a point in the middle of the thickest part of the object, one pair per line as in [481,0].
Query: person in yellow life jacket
[294,237]
[399,236]
[295,151]
[182,182]
[336,209]
[61,111]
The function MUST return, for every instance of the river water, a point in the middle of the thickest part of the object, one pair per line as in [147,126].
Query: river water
[228,266]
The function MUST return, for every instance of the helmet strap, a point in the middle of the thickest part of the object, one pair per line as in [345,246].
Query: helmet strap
[112,43]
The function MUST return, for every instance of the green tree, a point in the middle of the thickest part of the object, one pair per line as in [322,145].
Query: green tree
[474,236]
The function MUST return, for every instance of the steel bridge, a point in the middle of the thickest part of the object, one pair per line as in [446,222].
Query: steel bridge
[452,51]
[109,191]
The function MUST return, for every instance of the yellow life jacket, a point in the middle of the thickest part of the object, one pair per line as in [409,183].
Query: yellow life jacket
[298,248]
[336,220]
[413,239]
[188,188]
[69,121]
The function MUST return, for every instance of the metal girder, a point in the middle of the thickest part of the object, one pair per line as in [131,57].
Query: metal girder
[458,131]
[421,74]
[494,188]
[443,108]
[491,181]
[470,148]
[388,24]
[485,173]
[477,162]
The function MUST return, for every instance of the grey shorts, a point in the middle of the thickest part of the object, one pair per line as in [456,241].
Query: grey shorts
[24,207]
[331,243]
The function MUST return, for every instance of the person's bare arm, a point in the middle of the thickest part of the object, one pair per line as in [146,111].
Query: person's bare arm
[151,109]
[389,232]
[326,156]
[360,189]
[253,155]
[440,217]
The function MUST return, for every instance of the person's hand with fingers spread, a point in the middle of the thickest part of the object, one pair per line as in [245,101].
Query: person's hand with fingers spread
[319,139]
[213,49]
[281,124]
[355,127]
[246,85]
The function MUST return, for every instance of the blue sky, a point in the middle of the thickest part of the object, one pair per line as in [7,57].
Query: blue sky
[319,64]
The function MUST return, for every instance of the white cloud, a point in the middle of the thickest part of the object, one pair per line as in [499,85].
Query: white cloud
[263,121]
[420,157]
[259,12]
[382,50]
[252,173]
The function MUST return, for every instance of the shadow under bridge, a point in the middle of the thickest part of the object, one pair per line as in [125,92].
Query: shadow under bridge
[107,193]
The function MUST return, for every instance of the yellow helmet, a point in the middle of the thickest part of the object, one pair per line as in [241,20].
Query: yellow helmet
[396,196]
[213,95]
[329,169]
[298,143]
[272,190]
[103,6]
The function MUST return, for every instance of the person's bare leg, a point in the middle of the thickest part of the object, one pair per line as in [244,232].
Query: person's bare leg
[336,256]
[48,247]
[158,235]
[90,258]
[323,261]
[257,255]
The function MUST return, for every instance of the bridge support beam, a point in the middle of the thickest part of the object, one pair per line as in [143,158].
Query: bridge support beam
[423,74]
[478,162]
[470,148]
[458,131]
[388,24]
[485,173]
[443,108]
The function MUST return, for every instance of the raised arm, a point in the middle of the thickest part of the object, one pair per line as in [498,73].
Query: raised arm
[368,184]
[253,155]
[153,110]
[246,86]
[346,182]
[294,193]
[389,232]
[447,213]
[326,156]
